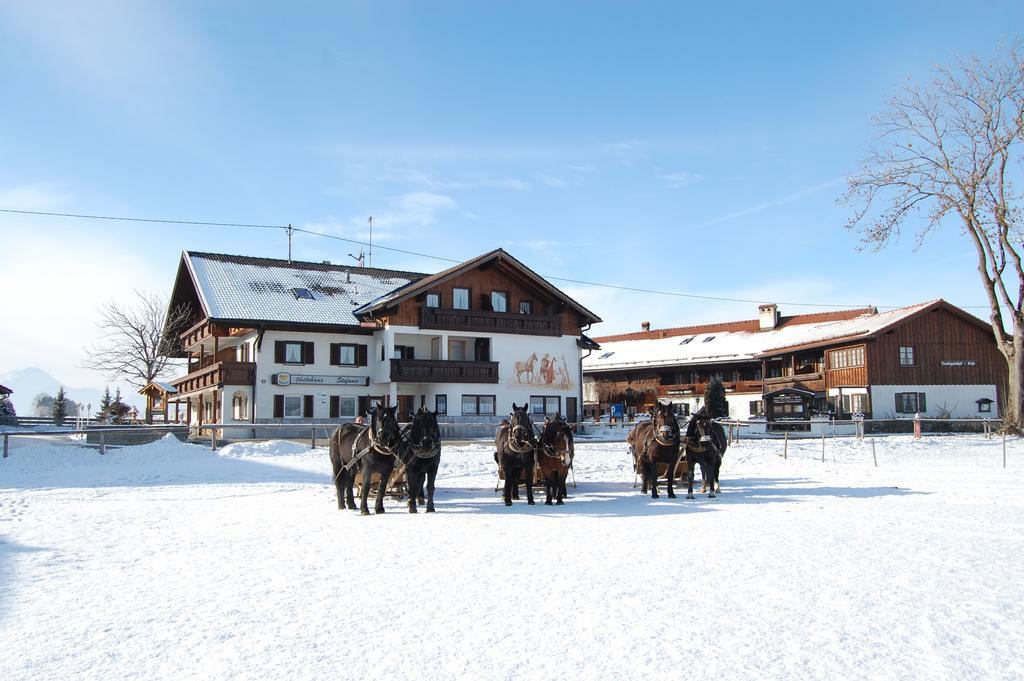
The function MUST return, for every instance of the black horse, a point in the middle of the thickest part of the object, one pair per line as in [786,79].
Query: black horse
[421,454]
[554,457]
[653,443]
[705,444]
[372,449]
[515,451]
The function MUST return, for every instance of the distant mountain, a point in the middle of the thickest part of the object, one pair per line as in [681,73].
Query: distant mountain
[29,382]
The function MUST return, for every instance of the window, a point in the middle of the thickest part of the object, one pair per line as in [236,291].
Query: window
[859,403]
[303,293]
[499,301]
[525,307]
[433,300]
[346,355]
[478,405]
[985,405]
[293,406]
[607,355]
[847,357]
[239,407]
[342,407]
[708,339]
[441,404]
[910,403]
[544,405]
[460,298]
[757,407]
[243,352]
[906,356]
[293,353]
[686,340]
[457,350]
[404,352]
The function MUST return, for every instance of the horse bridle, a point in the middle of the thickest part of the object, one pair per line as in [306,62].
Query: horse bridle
[525,444]
[675,435]
[549,449]
[416,447]
[374,438]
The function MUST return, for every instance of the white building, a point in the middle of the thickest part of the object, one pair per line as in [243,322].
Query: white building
[275,341]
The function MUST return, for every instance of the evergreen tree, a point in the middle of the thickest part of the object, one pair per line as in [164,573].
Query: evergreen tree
[42,404]
[7,408]
[714,399]
[118,411]
[104,405]
[60,407]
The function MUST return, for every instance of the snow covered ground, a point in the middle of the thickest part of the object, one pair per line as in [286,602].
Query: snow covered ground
[170,561]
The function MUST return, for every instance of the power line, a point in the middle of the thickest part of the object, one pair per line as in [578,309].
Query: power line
[288,228]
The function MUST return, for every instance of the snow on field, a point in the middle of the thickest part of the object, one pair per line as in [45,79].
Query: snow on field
[170,561]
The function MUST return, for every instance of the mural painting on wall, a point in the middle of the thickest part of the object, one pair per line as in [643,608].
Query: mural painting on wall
[542,371]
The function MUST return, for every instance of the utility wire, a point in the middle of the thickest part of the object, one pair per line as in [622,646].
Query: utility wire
[632,289]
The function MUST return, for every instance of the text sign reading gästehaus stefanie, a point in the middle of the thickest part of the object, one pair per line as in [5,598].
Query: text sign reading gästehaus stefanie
[284,378]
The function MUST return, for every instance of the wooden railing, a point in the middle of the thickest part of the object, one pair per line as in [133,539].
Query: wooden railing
[443,371]
[215,375]
[480,321]
[811,381]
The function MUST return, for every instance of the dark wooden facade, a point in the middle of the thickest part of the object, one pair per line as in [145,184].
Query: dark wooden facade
[443,371]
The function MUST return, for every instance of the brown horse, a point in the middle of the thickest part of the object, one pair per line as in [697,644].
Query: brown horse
[371,449]
[705,444]
[554,457]
[515,452]
[653,443]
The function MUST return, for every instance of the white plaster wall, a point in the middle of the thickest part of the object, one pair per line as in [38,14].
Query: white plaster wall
[739,403]
[960,400]
[265,368]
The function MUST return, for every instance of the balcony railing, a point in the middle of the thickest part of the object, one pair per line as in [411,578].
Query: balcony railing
[480,321]
[680,389]
[216,375]
[443,371]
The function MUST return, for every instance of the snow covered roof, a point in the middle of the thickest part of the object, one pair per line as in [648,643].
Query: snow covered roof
[243,288]
[742,342]
[4,390]
[166,388]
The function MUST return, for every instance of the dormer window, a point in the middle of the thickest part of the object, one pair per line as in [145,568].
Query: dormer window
[303,293]
[708,339]
[607,355]
[686,340]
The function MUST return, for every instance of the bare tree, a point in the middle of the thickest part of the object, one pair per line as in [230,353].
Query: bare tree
[947,151]
[138,342]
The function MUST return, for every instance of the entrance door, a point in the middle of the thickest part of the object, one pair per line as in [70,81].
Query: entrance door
[406,406]
[571,414]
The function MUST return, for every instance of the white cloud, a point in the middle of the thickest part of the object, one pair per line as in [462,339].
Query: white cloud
[781,201]
[678,180]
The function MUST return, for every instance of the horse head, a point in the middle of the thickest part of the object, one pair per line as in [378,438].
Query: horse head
[665,426]
[384,428]
[521,428]
[556,437]
[425,434]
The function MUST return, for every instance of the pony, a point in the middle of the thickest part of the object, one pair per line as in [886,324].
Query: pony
[515,451]
[653,443]
[372,449]
[705,444]
[554,457]
[420,454]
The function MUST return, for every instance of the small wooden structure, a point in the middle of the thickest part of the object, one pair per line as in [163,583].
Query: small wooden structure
[158,398]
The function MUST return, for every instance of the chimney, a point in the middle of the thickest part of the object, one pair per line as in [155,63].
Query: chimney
[768,316]
[646,326]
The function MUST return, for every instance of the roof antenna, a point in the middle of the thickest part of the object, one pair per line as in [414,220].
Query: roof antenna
[289,230]
[371,241]
[358,258]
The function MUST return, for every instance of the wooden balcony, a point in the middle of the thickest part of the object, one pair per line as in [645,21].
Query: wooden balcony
[443,371]
[205,330]
[216,375]
[683,389]
[480,321]
[815,382]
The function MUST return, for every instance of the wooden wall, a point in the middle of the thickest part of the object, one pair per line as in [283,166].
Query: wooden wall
[496,277]
[847,376]
[936,336]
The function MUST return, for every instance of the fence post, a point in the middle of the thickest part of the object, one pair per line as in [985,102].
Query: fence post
[873,455]
[213,439]
[785,447]
[1004,448]
[103,442]
[823,447]
[312,437]
[6,444]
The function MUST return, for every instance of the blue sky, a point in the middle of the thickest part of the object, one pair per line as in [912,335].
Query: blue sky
[695,149]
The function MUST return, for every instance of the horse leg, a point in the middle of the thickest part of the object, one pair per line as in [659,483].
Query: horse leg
[690,461]
[364,491]
[561,476]
[712,477]
[652,473]
[511,480]
[529,484]
[339,485]
[431,476]
[348,479]
[382,488]
[670,474]
[412,481]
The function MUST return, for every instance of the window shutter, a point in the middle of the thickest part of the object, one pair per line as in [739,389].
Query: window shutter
[307,352]
[899,403]
[361,353]
[335,354]
[485,301]
[921,406]
[279,352]
[278,406]
[335,406]
[410,352]
[307,411]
